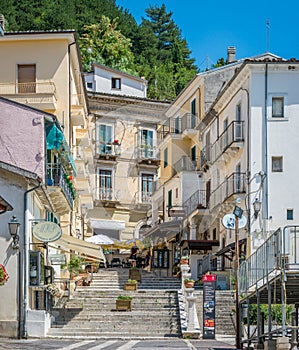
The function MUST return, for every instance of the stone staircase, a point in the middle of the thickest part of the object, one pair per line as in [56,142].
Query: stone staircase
[91,312]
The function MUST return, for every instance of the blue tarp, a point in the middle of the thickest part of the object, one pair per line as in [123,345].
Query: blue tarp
[55,137]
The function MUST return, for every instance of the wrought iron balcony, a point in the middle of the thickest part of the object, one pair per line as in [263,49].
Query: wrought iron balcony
[60,187]
[178,125]
[147,153]
[233,134]
[108,150]
[234,184]
[198,200]
[184,164]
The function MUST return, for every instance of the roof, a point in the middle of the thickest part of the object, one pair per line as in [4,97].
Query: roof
[101,66]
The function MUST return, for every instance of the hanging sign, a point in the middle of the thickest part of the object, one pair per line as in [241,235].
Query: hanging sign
[46,231]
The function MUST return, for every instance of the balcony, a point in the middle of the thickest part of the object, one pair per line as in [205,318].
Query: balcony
[142,200]
[108,151]
[184,125]
[38,95]
[198,200]
[147,154]
[77,109]
[233,185]
[227,143]
[61,189]
[184,164]
[107,197]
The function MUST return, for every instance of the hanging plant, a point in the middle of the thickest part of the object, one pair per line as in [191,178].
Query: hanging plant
[3,275]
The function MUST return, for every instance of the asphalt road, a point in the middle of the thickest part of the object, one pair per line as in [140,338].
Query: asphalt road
[173,344]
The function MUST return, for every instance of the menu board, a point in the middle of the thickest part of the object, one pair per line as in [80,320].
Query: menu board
[209,286]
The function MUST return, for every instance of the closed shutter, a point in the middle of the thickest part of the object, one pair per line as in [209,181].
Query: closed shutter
[26,78]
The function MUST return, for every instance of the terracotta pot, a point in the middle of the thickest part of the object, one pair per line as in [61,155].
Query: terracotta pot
[189,284]
[184,261]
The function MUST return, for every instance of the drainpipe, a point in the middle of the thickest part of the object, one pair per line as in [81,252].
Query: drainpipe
[265,148]
[70,96]
[25,254]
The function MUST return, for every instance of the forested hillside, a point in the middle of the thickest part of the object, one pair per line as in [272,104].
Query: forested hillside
[108,34]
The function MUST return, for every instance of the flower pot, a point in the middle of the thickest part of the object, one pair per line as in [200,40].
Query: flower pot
[134,274]
[189,284]
[184,261]
[123,305]
[130,286]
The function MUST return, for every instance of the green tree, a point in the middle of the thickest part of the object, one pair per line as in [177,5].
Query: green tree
[104,44]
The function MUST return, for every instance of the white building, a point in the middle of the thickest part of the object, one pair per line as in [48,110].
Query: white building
[108,80]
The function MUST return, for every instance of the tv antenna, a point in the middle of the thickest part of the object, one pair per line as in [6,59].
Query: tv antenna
[268,35]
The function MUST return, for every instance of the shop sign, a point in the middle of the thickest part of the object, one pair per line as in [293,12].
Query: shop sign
[209,305]
[47,231]
[57,259]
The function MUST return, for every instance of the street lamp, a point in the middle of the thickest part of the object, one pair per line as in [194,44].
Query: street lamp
[257,205]
[14,227]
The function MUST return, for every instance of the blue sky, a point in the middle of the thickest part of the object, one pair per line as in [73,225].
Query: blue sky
[211,26]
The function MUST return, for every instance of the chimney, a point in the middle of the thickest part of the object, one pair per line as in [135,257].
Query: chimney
[231,54]
[2,22]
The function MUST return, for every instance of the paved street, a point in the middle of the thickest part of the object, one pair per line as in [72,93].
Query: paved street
[173,344]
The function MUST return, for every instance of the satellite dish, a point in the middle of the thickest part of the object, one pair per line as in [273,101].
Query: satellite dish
[228,221]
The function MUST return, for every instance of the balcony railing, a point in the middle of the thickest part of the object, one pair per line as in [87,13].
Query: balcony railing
[234,184]
[143,197]
[34,94]
[107,194]
[198,200]
[108,148]
[233,133]
[184,164]
[56,176]
[178,125]
[146,151]
[278,254]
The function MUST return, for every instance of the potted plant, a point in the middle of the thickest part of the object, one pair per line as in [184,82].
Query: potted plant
[134,274]
[184,260]
[189,283]
[131,285]
[74,265]
[3,275]
[124,303]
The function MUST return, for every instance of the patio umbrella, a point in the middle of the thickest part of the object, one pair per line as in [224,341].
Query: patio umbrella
[100,239]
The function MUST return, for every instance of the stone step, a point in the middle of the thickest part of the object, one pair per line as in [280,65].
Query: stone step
[91,334]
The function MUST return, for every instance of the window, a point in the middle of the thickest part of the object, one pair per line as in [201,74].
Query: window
[277,107]
[165,157]
[193,154]
[26,78]
[147,187]
[146,143]
[169,199]
[176,193]
[89,85]
[214,234]
[238,179]
[160,258]
[276,164]
[105,184]
[290,214]
[116,83]
[177,128]
[105,139]
[193,113]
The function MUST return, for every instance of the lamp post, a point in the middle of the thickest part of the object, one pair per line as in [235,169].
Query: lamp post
[14,226]
[238,212]
[257,205]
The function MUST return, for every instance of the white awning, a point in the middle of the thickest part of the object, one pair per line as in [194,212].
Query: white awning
[80,246]
[107,224]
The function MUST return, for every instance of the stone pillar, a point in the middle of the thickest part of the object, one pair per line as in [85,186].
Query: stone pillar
[185,273]
[282,343]
[190,309]
[192,230]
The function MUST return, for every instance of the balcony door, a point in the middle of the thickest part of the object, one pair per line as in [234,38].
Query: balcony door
[147,187]
[193,113]
[146,139]
[105,139]
[26,78]
[105,184]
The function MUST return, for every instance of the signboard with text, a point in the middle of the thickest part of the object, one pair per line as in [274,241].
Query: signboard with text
[209,305]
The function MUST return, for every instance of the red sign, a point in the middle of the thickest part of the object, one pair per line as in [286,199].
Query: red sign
[209,278]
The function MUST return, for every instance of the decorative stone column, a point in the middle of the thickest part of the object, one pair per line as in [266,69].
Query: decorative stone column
[185,274]
[193,227]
